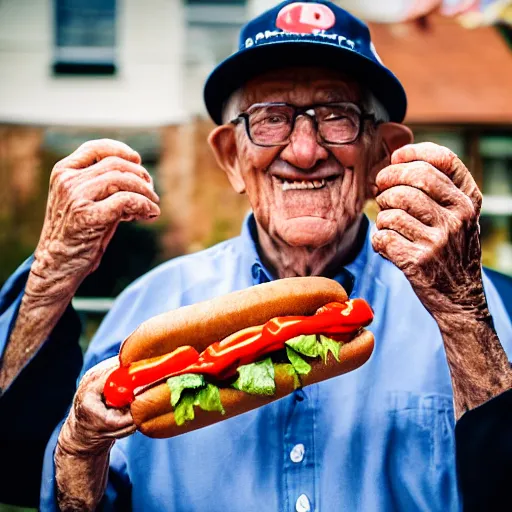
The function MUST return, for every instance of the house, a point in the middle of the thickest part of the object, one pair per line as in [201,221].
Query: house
[131,70]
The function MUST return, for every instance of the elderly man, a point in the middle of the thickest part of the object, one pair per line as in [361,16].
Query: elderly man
[308,128]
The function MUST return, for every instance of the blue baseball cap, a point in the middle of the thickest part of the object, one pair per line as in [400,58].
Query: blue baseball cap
[309,33]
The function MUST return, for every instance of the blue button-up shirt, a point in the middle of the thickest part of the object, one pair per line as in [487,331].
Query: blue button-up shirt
[377,439]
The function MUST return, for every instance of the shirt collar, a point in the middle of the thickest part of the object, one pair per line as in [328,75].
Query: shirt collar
[260,274]
[347,276]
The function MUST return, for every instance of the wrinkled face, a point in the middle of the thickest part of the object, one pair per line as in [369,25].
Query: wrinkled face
[305,193]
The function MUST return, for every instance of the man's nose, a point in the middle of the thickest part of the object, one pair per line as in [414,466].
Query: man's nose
[303,151]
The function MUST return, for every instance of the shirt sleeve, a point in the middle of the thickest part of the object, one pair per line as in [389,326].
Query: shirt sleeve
[38,398]
[483,438]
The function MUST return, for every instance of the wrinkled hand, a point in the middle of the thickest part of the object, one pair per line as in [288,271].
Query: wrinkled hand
[428,227]
[91,191]
[92,427]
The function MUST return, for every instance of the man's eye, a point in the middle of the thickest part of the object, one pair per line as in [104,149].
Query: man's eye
[334,117]
[275,119]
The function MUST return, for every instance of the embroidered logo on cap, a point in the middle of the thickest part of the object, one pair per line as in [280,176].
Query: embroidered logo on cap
[303,18]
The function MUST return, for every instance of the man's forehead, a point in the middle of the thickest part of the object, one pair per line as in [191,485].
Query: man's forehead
[301,86]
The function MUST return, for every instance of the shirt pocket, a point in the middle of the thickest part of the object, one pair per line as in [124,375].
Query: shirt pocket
[420,452]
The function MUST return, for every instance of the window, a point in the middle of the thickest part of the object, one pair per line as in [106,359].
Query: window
[85,37]
[212,29]
[496,221]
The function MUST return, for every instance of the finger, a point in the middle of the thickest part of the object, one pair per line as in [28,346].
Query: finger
[395,248]
[404,224]
[116,420]
[444,160]
[124,206]
[124,432]
[95,150]
[413,201]
[114,163]
[65,182]
[110,182]
[425,177]
[92,412]
[98,374]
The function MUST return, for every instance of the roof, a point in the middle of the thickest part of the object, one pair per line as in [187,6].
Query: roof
[451,74]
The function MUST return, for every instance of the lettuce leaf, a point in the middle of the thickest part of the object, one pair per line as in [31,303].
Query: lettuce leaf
[186,381]
[306,345]
[184,411]
[208,399]
[300,366]
[256,378]
[329,345]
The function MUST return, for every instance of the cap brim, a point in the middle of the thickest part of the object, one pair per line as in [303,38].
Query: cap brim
[236,70]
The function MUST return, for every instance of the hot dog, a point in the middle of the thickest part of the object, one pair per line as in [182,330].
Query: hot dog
[210,361]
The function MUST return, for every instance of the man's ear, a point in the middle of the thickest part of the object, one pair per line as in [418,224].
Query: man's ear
[394,136]
[223,143]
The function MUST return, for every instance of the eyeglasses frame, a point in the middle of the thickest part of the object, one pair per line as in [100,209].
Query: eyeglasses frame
[301,111]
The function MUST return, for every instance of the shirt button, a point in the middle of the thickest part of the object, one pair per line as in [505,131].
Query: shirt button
[302,504]
[297,453]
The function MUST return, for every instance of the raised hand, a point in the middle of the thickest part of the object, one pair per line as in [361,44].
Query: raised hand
[101,184]
[91,191]
[428,226]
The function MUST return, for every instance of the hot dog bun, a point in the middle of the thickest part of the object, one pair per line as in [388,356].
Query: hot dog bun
[153,414]
[211,321]
[203,323]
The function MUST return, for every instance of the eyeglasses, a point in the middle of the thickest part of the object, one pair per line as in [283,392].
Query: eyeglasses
[272,124]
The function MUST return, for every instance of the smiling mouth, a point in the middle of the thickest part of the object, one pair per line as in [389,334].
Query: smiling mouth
[304,184]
